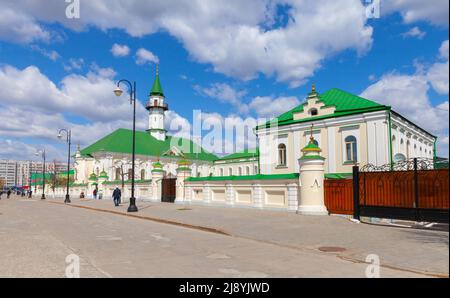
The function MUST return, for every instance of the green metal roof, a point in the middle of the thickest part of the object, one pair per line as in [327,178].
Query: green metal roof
[120,141]
[248,153]
[157,89]
[344,102]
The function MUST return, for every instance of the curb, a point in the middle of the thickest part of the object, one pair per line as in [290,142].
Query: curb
[158,220]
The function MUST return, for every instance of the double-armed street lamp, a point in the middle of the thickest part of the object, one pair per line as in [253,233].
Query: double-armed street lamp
[68,134]
[42,154]
[118,92]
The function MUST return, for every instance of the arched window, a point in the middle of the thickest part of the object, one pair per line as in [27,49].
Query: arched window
[239,171]
[130,174]
[256,170]
[351,151]
[282,155]
[408,149]
[118,174]
[221,172]
[313,112]
[142,174]
[230,172]
[247,170]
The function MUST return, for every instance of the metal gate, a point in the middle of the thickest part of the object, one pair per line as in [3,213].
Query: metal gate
[409,190]
[168,192]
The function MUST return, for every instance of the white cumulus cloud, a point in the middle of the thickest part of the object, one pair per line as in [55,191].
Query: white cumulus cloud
[144,56]
[119,50]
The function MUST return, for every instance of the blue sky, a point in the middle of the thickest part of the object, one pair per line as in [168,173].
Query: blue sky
[226,61]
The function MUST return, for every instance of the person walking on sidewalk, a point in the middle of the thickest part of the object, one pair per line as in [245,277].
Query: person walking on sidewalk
[116,196]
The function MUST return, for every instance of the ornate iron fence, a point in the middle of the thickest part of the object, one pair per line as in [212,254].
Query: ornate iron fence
[415,189]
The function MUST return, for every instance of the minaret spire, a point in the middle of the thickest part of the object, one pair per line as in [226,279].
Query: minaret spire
[156,106]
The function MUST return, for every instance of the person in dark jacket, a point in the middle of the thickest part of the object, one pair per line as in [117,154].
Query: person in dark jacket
[116,196]
[8,193]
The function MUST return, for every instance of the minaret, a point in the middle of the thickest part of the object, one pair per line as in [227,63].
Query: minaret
[156,107]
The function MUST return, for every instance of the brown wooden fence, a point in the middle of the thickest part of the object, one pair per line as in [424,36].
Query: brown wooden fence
[423,189]
[339,196]
[398,189]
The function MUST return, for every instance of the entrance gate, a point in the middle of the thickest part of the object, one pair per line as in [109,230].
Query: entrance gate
[410,190]
[168,193]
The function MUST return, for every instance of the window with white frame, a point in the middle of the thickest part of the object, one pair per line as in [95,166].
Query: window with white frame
[282,155]
[351,151]
[313,112]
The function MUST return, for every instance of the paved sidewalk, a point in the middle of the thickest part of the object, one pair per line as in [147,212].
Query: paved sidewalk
[421,251]
[37,236]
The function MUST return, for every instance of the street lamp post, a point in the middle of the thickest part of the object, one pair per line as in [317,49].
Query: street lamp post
[29,179]
[118,92]
[42,153]
[68,133]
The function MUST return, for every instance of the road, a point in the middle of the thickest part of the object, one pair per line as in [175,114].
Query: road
[36,237]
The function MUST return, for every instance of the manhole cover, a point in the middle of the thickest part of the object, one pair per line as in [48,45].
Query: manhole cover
[331,249]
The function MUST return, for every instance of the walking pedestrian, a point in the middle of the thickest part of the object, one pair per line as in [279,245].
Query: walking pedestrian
[95,194]
[116,196]
[8,193]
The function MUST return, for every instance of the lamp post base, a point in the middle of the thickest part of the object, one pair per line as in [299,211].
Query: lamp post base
[43,197]
[132,207]
[67,200]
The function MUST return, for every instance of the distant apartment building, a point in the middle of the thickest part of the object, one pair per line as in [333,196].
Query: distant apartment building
[18,172]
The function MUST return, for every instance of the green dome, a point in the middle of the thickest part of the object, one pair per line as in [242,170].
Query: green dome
[103,174]
[311,147]
[183,162]
[157,165]
[93,177]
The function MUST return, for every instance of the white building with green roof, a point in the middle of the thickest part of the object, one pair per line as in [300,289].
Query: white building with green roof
[323,138]
[348,129]
[112,153]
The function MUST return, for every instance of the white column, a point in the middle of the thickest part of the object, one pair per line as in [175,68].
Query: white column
[157,186]
[311,187]
[206,193]
[258,196]
[293,201]
[182,175]
[230,196]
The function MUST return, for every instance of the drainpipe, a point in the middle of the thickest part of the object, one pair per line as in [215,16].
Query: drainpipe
[434,150]
[259,154]
[434,153]
[391,159]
